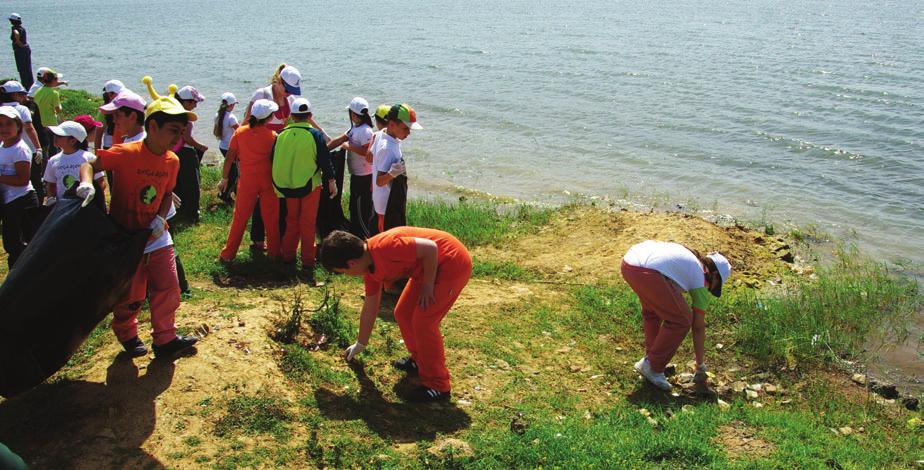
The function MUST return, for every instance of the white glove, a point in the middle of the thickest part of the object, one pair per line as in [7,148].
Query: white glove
[353,350]
[85,191]
[396,169]
[50,201]
[39,156]
[158,226]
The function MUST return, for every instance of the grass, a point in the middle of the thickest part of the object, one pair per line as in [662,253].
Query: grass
[476,223]
[255,415]
[77,102]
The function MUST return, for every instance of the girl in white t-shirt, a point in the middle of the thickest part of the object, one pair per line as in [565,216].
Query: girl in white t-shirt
[62,174]
[225,125]
[15,188]
[356,142]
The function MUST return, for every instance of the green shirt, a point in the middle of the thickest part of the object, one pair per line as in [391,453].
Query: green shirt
[47,99]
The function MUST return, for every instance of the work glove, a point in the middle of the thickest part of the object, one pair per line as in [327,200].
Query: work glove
[158,226]
[50,201]
[85,191]
[397,169]
[39,156]
[353,350]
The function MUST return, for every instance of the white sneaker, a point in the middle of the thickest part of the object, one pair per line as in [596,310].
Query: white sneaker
[656,378]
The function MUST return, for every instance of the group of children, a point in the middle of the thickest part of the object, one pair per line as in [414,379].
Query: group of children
[279,159]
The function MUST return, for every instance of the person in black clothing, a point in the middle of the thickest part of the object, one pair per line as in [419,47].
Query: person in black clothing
[21,51]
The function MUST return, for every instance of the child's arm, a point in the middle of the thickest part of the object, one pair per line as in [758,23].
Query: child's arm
[188,137]
[21,177]
[427,254]
[699,336]
[226,169]
[359,150]
[367,318]
[51,189]
[33,136]
[98,138]
[334,143]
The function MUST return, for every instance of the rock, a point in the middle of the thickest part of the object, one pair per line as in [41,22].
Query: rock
[860,379]
[886,390]
[502,364]
[757,404]
[687,409]
[723,405]
[519,424]
[653,422]
[685,377]
[451,447]
[751,394]
[911,403]
[721,346]
[756,387]
[724,390]
[770,388]
[845,431]
[644,412]
[567,269]
[786,255]
[463,402]
[739,386]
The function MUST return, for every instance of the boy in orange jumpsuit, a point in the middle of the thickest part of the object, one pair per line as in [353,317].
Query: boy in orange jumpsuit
[438,266]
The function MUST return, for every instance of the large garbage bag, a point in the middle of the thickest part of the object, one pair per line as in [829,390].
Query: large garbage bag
[76,268]
[330,211]
[396,209]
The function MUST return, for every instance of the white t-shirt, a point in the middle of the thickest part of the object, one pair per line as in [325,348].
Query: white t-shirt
[163,240]
[107,140]
[9,156]
[227,130]
[266,93]
[386,152]
[135,138]
[359,136]
[670,259]
[25,115]
[64,170]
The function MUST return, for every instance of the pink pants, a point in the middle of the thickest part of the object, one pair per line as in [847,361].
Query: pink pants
[248,189]
[420,327]
[155,278]
[301,214]
[666,315]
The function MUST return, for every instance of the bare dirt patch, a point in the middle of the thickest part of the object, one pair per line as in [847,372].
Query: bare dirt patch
[739,441]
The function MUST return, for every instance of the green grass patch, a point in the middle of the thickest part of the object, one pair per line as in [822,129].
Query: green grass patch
[77,102]
[505,270]
[475,222]
[302,365]
[255,415]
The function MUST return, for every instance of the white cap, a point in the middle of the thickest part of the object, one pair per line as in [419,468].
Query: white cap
[229,98]
[15,17]
[10,112]
[13,86]
[261,109]
[42,71]
[189,92]
[291,80]
[358,104]
[723,266]
[69,128]
[113,86]
[300,106]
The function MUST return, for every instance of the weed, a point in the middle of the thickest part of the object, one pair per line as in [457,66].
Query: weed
[255,415]
[329,321]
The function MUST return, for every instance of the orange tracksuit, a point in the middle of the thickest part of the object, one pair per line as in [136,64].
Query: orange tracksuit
[254,147]
[394,256]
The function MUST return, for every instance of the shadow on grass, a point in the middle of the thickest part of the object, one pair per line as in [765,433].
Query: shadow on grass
[401,422]
[70,424]
[647,395]
[258,271]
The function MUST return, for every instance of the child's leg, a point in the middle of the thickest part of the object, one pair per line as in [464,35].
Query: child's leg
[431,356]
[306,222]
[404,312]
[257,230]
[291,235]
[125,314]
[164,294]
[269,208]
[243,207]
[651,325]
[16,226]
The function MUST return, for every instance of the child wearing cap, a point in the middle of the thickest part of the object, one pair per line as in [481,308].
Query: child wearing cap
[48,101]
[12,93]
[439,267]
[190,152]
[144,176]
[388,161]
[104,139]
[356,141]
[15,188]
[62,174]
[300,163]
[21,50]
[225,125]
[659,273]
[127,110]
[252,144]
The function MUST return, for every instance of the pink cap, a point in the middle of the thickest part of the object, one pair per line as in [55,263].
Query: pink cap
[125,99]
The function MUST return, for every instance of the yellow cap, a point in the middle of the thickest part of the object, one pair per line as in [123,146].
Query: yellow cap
[382,111]
[165,104]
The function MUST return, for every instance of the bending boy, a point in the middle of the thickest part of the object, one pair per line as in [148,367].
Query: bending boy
[438,266]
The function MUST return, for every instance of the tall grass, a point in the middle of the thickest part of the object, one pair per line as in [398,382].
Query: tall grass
[77,102]
[475,223]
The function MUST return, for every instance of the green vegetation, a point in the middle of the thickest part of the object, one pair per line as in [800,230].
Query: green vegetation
[255,415]
[77,102]
[476,223]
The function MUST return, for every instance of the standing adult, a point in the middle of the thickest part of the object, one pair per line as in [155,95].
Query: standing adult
[21,50]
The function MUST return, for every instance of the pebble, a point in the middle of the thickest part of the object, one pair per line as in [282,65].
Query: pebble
[723,405]
[860,379]
[751,394]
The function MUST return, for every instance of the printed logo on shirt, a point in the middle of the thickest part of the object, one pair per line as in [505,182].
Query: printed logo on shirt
[148,194]
[69,182]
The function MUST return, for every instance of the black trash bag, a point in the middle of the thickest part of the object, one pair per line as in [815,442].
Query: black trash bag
[330,211]
[396,209]
[76,268]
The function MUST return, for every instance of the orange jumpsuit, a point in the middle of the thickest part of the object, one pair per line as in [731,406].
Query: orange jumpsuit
[394,256]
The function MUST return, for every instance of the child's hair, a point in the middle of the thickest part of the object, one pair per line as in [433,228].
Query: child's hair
[84,145]
[219,128]
[254,122]
[340,247]
[276,77]
[47,78]
[4,96]
[139,116]
[364,117]
[707,262]
[162,118]
[380,122]
[108,121]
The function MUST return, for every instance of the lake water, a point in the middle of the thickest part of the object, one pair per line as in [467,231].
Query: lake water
[809,112]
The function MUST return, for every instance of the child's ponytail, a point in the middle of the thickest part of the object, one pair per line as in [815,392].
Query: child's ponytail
[219,128]
[276,76]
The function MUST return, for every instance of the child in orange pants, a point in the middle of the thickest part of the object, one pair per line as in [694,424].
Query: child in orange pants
[438,266]
[252,144]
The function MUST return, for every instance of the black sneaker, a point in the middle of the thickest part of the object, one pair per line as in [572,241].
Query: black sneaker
[171,349]
[407,364]
[425,395]
[135,347]
[306,275]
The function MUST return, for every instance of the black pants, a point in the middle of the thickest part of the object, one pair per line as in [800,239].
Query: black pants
[258,230]
[17,228]
[363,221]
[23,57]
[233,174]
[187,184]
[180,272]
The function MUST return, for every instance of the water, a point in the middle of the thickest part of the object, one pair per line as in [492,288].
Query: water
[802,112]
